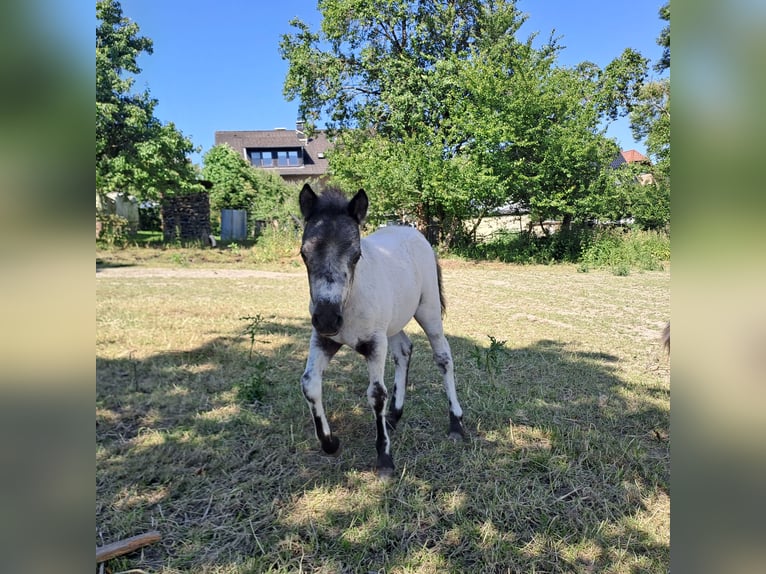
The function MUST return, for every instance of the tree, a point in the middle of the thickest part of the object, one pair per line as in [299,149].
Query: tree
[387,70]
[135,152]
[238,185]
[444,115]
[231,177]
[626,192]
[664,40]
[650,113]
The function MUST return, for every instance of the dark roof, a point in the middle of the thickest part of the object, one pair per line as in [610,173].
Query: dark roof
[629,156]
[313,147]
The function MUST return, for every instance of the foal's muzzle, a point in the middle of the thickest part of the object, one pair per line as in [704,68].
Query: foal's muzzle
[327,318]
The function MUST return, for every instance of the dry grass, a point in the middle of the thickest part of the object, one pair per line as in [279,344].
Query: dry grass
[565,469]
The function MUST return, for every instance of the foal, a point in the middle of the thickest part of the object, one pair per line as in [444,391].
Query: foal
[363,293]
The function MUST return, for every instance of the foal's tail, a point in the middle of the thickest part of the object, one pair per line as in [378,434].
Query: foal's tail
[442,300]
[666,337]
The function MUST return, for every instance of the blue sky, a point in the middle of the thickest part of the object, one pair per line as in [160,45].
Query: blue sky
[216,65]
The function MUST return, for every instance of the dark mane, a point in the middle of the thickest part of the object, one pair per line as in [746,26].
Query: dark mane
[332,201]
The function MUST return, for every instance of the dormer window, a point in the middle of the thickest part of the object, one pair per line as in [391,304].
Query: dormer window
[290,157]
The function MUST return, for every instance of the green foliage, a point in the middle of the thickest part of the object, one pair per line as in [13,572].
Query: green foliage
[252,328]
[650,112]
[615,249]
[276,245]
[231,176]
[444,115]
[664,40]
[630,191]
[490,359]
[238,185]
[651,207]
[253,389]
[115,229]
[135,152]
[621,269]
[650,121]
[588,247]
[149,218]
[565,246]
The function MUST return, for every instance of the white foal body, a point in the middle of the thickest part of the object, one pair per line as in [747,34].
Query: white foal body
[363,293]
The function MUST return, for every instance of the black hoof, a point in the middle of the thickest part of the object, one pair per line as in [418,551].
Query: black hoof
[330,445]
[385,467]
[392,418]
[456,430]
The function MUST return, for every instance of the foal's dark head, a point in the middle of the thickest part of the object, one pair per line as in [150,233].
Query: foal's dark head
[330,249]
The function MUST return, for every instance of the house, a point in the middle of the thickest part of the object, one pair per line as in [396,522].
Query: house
[630,156]
[291,153]
[633,156]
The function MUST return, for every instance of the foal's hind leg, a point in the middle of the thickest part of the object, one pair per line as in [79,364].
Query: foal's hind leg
[400,347]
[321,350]
[431,322]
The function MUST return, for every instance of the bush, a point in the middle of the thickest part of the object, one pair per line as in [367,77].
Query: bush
[616,249]
[590,248]
[651,209]
[115,229]
[524,247]
[275,244]
[149,219]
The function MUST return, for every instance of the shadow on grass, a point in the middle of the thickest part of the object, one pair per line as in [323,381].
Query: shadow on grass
[565,468]
[104,264]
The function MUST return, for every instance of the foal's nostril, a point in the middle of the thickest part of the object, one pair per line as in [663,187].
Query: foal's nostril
[327,321]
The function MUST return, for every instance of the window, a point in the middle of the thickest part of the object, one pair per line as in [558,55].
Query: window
[292,157]
[289,157]
[261,158]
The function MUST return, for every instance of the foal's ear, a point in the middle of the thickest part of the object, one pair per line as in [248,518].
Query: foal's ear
[357,207]
[307,199]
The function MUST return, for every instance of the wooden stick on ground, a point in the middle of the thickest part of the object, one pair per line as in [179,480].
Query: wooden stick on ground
[108,551]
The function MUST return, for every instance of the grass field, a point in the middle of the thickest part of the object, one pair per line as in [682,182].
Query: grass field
[202,432]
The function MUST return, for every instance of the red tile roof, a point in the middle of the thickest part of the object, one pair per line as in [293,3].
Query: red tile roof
[632,155]
[629,156]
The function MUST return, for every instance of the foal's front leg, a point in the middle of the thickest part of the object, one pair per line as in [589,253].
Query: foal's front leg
[321,350]
[375,351]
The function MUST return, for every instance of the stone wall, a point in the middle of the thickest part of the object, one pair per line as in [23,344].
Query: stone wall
[186,217]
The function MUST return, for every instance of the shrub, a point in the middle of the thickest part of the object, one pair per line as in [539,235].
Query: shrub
[618,250]
[589,248]
[115,229]
[524,247]
[275,244]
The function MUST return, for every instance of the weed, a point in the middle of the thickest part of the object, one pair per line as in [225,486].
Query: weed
[252,390]
[273,245]
[252,328]
[179,259]
[490,359]
[621,270]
